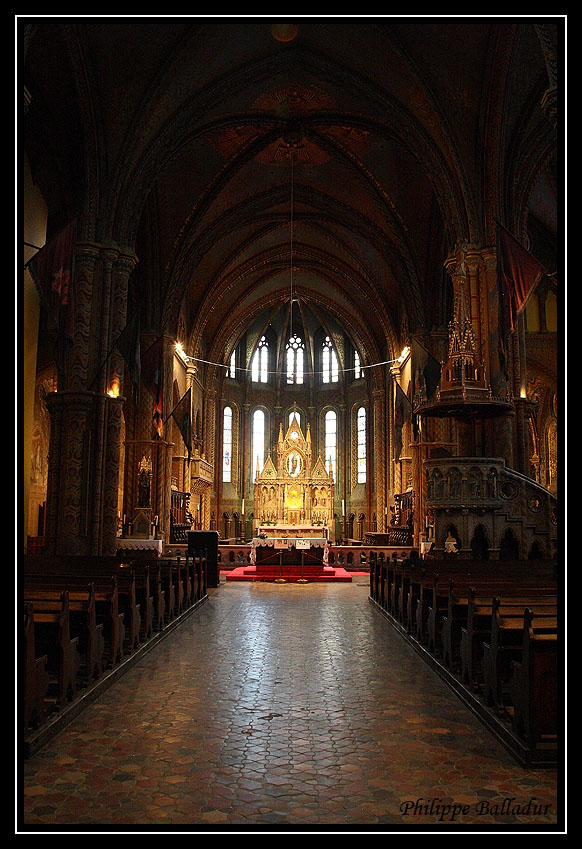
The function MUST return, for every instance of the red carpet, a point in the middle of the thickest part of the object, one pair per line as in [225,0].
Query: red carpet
[289,573]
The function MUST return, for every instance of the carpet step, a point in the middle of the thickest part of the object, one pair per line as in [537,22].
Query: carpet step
[289,573]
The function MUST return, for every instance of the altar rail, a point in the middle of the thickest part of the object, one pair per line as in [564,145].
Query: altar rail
[348,556]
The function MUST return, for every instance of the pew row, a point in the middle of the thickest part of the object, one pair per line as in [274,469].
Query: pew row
[85,615]
[466,618]
[47,621]
[505,643]
[533,685]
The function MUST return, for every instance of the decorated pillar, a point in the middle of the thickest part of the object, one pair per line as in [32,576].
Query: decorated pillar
[148,467]
[209,442]
[86,410]
[68,489]
[117,267]
[377,501]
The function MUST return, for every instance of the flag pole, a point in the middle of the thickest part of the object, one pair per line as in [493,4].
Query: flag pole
[529,253]
[137,312]
[100,369]
[177,405]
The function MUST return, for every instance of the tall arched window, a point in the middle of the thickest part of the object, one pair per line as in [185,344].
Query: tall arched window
[295,354]
[329,366]
[260,363]
[232,368]
[361,425]
[357,366]
[551,312]
[258,437]
[227,445]
[297,415]
[331,442]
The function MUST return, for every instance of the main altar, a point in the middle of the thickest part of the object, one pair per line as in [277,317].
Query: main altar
[294,492]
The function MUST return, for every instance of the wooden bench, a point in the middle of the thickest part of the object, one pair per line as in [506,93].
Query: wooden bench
[373,561]
[53,638]
[106,597]
[505,643]
[35,676]
[477,628]
[197,566]
[464,588]
[167,592]
[467,570]
[82,618]
[379,578]
[534,682]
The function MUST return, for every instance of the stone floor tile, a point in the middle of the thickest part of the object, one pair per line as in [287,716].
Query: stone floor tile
[268,708]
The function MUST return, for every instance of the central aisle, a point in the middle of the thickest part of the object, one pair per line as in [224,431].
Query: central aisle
[280,705]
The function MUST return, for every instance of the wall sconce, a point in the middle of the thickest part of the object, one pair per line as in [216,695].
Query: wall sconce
[113,390]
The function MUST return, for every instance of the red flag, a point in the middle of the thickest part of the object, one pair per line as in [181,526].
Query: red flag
[427,366]
[518,274]
[152,370]
[52,271]
[128,345]
[182,414]
[402,410]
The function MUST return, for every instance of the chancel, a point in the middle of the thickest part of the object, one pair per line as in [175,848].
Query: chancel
[291,343]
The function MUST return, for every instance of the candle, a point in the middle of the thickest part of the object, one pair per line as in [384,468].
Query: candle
[343,507]
[243,505]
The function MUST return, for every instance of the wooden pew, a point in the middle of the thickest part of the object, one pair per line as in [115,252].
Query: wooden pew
[372,575]
[534,683]
[437,608]
[463,589]
[35,675]
[149,592]
[413,593]
[505,643]
[458,570]
[198,568]
[393,574]
[406,569]
[379,577]
[82,618]
[53,638]
[138,575]
[107,604]
[477,627]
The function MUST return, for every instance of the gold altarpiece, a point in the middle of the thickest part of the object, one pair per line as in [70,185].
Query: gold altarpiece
[294,495]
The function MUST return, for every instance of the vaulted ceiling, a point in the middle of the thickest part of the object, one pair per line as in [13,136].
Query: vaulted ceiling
[337,160]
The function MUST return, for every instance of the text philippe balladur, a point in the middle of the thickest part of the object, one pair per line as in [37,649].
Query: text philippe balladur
[451,812]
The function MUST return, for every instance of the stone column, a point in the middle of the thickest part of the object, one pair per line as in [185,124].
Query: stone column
[69,469]
[209,417]
[116,269]
[85,419]
[378,500]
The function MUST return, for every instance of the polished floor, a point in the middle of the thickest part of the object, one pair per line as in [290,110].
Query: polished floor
[283,707]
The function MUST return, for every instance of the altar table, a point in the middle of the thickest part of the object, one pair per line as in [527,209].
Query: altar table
[292,549]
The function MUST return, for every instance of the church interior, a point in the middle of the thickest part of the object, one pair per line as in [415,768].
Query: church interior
[290,317]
